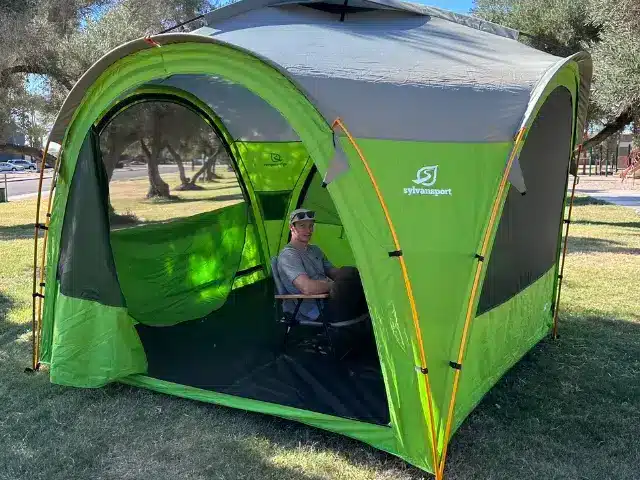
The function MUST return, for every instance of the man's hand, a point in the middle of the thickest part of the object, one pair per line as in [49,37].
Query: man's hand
[312,287]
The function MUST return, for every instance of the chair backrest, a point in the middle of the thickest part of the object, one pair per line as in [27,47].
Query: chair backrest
[276,276]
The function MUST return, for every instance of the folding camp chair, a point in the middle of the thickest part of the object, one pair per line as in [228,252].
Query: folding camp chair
[296,318]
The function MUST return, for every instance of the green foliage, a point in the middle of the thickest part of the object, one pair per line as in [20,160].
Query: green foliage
[51,43]
[559,27]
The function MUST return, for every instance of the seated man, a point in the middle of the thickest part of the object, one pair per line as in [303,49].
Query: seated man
[304,268]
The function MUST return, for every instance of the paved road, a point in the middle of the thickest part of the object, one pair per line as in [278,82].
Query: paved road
[25,185]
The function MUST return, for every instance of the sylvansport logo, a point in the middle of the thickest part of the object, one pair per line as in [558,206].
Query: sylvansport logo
[427,177]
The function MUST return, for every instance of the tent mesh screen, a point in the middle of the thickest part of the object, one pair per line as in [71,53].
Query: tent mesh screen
[526,242]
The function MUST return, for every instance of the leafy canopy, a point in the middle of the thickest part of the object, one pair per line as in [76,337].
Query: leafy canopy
[608,29]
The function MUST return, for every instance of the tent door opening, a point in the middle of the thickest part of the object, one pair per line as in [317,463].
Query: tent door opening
[193,266]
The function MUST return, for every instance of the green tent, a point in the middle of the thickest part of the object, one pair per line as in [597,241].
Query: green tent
[435,148]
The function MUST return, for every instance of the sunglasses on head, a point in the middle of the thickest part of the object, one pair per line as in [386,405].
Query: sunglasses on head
[298,217]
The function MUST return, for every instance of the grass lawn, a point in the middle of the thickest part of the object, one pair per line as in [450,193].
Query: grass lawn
[570,409]
[128,198]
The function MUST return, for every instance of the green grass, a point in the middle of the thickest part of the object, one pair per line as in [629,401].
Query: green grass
[570,409]
[128,198]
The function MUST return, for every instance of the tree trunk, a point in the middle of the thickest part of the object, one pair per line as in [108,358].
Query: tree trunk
[53,73]
[157,186]
[621,121]
[211,168]
[209,161]
[183,177]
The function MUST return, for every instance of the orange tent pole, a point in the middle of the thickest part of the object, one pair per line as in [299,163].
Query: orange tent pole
[472,297]
[38,227]
[564,248]
[36,318]
[414,311]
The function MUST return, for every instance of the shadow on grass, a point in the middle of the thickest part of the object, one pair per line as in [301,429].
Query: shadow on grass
[216,198]
[569,409]
[609,224]
[6,303]
[8,332]
[583,201]
[18,232]
[598,245]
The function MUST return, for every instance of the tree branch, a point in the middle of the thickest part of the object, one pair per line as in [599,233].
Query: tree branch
[39,70]
[27,150]
[621,121]
[145,149]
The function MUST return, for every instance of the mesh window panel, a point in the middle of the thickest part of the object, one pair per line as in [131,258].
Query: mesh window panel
[526,242]
[274,204]
[315,197]
[86,268]
[165,162]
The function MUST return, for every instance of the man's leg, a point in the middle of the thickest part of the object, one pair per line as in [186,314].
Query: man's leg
[346,299]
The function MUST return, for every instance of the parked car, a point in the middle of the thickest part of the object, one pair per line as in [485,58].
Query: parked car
[10,167]
[26,164]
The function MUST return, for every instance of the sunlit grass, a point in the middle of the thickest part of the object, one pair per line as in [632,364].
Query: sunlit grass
[128,197]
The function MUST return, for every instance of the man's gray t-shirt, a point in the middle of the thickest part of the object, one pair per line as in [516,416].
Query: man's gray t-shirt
[293,262]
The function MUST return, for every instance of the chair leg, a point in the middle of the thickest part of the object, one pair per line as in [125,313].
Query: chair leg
[290,323]
[284,341]
[327,331]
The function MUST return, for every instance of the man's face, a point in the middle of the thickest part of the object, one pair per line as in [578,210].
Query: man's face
[302,231]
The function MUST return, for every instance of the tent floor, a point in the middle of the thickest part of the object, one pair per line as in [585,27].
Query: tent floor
[239,350]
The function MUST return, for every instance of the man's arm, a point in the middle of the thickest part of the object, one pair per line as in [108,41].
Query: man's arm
[311,287]
[291,268]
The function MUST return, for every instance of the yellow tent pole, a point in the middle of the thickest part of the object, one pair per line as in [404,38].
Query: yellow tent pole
[38,295]
[54,179]
[38,227]
[414,311]
[472,297]
[564,248]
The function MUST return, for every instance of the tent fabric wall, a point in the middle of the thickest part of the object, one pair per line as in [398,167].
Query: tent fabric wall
[311,69]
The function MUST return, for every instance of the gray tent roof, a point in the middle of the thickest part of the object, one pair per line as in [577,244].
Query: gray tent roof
[390,69]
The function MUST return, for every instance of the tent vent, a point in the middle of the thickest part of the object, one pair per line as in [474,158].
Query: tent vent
[395,253]
[480,257]
[336,8]
[457,366]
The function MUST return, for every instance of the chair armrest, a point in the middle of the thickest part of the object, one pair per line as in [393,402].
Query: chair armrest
[301,297]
